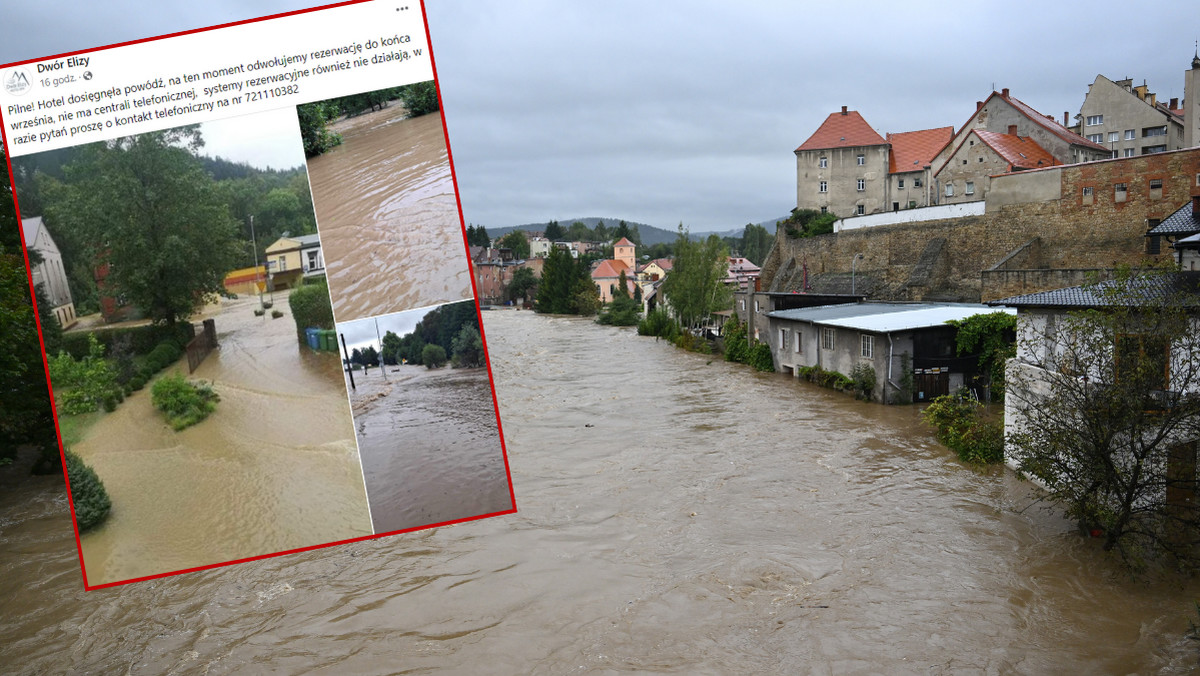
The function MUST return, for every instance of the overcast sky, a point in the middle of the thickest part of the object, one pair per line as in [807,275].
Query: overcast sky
[361,333]
[263,140]
[689,111]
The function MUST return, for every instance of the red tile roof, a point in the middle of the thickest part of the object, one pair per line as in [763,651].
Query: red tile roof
[842,130]
[1048,122]
[610,269]
[912,150]
[1021,152]
[624,241]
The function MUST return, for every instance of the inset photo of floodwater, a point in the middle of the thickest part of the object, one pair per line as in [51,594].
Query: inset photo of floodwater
[385,201]
[184,275]
[425,417]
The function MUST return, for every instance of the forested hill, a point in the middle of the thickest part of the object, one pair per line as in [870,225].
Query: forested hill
[650,234]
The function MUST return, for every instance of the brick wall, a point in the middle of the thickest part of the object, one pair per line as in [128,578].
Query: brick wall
[1075,235]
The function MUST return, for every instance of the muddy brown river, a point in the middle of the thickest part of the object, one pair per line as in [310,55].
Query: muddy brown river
[677,514]
[429,445]
[387,216]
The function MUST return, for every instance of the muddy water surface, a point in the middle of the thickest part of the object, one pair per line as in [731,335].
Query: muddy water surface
[387,216]
[273,468]
[430,446]
[710,520]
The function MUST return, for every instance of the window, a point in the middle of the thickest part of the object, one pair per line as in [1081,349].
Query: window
[949,190]
[1146,150]
[824,187]
[1154,131]
[827,335]
[964,161]
[1120,192]
[824,210]
[743,305]
[900,183]
[823,163]
[1113,136]
[1088,197]
[1156,187]
[861,210]
[1096,138]
[796,341]
[282,263]
[783,341]
[1095,119]
[756,310]
[1129,152]
[1130,134]
[862,159]
[970,188]
[868,346]
[862,184]
[917,183]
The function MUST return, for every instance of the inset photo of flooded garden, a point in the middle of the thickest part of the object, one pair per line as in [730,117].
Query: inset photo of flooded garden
[182,274]
[425,417]
[385,201]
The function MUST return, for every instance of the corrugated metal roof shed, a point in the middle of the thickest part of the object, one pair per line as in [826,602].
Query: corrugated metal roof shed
[886,317]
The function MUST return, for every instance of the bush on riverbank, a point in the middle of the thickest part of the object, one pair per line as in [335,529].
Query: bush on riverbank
[831,379]
[184,403]
[92,504]
[433,356]
[961,427]
[311,308]
[739,349]
[659,324]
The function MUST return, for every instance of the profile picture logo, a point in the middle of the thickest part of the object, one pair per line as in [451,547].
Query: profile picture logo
[17,82]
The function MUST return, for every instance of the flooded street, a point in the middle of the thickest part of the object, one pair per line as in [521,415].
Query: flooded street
[387,216]
[430,446]
[678,514]
[273,468]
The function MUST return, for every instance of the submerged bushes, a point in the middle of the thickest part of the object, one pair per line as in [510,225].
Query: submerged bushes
[184,403]
[961,428]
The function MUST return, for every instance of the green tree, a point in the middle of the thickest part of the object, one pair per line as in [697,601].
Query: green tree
[477,236]
[808,223]
[694,287]
[516,241]
[623,310]
[554,231]
[992,336]
[154,216]
[756,243]
[523,281]
[88,496]
[579,232]
[433,356]
[1103,410]
[315,119]
[391,349]
[419,98]
[370,356]
[566,286]
[468,348]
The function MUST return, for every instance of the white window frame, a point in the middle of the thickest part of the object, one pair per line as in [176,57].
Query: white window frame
[1131,152]
[797,342]
[970,189]
[949,190]
[823,186]
[867,346]
[900,183]
[862,184]
[828,337]
[783,341]
[1130,134]
[860,210]
[1096,138]
[823,163]
[1114,136]
[861,159]
[1094,120]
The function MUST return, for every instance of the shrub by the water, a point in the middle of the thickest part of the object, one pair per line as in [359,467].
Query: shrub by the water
[184,403]
[311,308]
[87,491]
[961,428]
[433,356]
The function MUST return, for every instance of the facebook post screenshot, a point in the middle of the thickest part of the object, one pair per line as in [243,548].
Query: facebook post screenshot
[257,310]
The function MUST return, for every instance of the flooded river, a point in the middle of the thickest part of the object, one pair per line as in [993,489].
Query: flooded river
[675,516]
[273,468]
[430,447]
[386,212]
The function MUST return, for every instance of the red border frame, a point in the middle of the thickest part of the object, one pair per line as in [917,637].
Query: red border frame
[470,267]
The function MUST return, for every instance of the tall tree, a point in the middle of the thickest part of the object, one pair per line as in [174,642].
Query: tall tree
[693,287]
[554,231]
[516,241]
[154,216]
[1103,410]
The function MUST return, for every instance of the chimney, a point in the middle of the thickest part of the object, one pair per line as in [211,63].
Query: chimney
[1004,92]
[1066,118]
[1012,130]
[843,110]
[978,105]
[1174,104]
